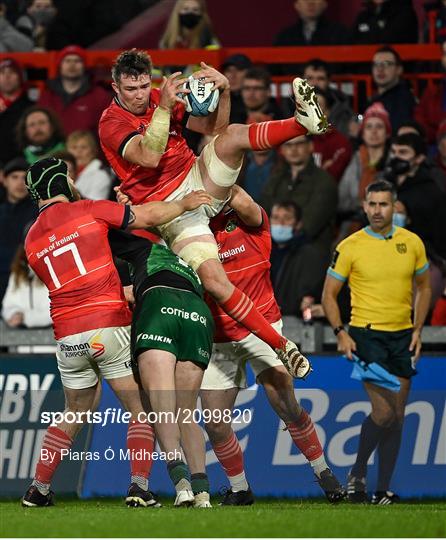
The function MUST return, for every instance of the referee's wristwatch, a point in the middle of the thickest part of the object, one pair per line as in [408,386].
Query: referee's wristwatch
[338,329]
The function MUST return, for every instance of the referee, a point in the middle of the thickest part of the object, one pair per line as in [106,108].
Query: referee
[380,262]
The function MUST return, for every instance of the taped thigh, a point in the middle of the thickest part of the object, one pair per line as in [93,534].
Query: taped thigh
[221,174]
[198,252]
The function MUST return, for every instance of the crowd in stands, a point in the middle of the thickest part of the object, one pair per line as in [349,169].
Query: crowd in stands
[312,188]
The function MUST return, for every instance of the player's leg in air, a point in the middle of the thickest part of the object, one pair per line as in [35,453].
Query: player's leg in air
[173,333]
[222,381]
[219,165]
[82,393]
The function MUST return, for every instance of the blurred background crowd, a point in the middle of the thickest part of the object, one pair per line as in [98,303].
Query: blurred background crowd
[391,124]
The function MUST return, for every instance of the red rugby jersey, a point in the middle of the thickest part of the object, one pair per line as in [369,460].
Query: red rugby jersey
[118,125]
[67,248]
[244,252]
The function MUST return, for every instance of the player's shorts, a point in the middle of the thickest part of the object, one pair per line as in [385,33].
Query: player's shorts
[82,357]
[388,349]
[227,368]
[196,222]
[175,321]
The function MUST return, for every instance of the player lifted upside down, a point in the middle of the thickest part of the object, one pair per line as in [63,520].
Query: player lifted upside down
[140,134]
[172,333]
[67,248]
[243,236]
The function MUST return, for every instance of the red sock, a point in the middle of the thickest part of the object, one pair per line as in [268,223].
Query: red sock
[230,456]
[265,135]
[50,453]
[240,307]
[141,440]
[305,437]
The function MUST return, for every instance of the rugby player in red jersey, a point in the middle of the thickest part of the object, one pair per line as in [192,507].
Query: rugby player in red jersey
[140,134]
[67,248]
[243,237]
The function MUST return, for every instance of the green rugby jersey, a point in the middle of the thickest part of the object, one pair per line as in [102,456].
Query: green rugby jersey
[152,265]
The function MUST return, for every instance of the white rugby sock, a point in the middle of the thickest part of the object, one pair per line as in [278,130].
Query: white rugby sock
[238,482]
[140,481]
[319,465]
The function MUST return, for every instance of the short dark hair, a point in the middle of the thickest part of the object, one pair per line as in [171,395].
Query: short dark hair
[414,141]
[259,74]
[288,204]
[416,126]
[391,50]
[318,65]
[133,62]
[381,185]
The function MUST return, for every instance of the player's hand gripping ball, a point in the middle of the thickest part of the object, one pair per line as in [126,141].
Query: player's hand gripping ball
[201,100]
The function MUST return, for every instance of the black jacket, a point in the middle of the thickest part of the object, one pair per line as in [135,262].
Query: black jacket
[399,102]
[8,121]
[327,32]
[314,190]
[14,217]
[296,271]
[393,22]
[426,208]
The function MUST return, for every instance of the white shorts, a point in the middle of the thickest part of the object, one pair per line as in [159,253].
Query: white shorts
[227,368]
[82,357]
[196,222]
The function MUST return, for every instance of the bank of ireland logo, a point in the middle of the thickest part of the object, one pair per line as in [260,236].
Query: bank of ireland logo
[99,348]
[52,238]
[401,248]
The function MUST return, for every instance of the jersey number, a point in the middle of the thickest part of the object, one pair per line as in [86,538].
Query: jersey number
[77,260]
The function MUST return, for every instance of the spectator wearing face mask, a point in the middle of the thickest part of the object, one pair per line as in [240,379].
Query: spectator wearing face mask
[297,266]
[189,27]
[36,21]
[421,203]
[11,39]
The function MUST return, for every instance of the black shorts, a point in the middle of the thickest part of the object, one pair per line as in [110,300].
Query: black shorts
[388,349]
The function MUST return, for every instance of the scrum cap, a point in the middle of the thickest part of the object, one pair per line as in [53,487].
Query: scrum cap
[48,178]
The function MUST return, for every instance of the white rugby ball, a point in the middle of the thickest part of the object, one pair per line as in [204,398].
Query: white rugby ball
[201,100]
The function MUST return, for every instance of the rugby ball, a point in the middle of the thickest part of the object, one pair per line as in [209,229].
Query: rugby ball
[201,100]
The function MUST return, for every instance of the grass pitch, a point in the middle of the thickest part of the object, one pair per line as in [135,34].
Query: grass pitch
[267,518]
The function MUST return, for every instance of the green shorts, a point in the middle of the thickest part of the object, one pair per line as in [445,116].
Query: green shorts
[388,349]
[176,321]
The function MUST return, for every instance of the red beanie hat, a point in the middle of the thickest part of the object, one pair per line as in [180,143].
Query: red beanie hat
[377,110]
[71,49]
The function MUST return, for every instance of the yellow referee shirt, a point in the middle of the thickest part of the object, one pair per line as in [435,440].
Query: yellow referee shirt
[380,273]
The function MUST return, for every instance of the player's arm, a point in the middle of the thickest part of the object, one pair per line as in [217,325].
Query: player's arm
[421,309]
[332,287]
[157,213]
[218,121]
[245,206]
[146,150]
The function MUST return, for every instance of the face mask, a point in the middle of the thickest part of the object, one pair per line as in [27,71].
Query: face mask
[399,166]
[44,16]
[189,20]
[399,219]
[281,233]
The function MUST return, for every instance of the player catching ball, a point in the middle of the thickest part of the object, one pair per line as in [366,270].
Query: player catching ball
[140,134]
